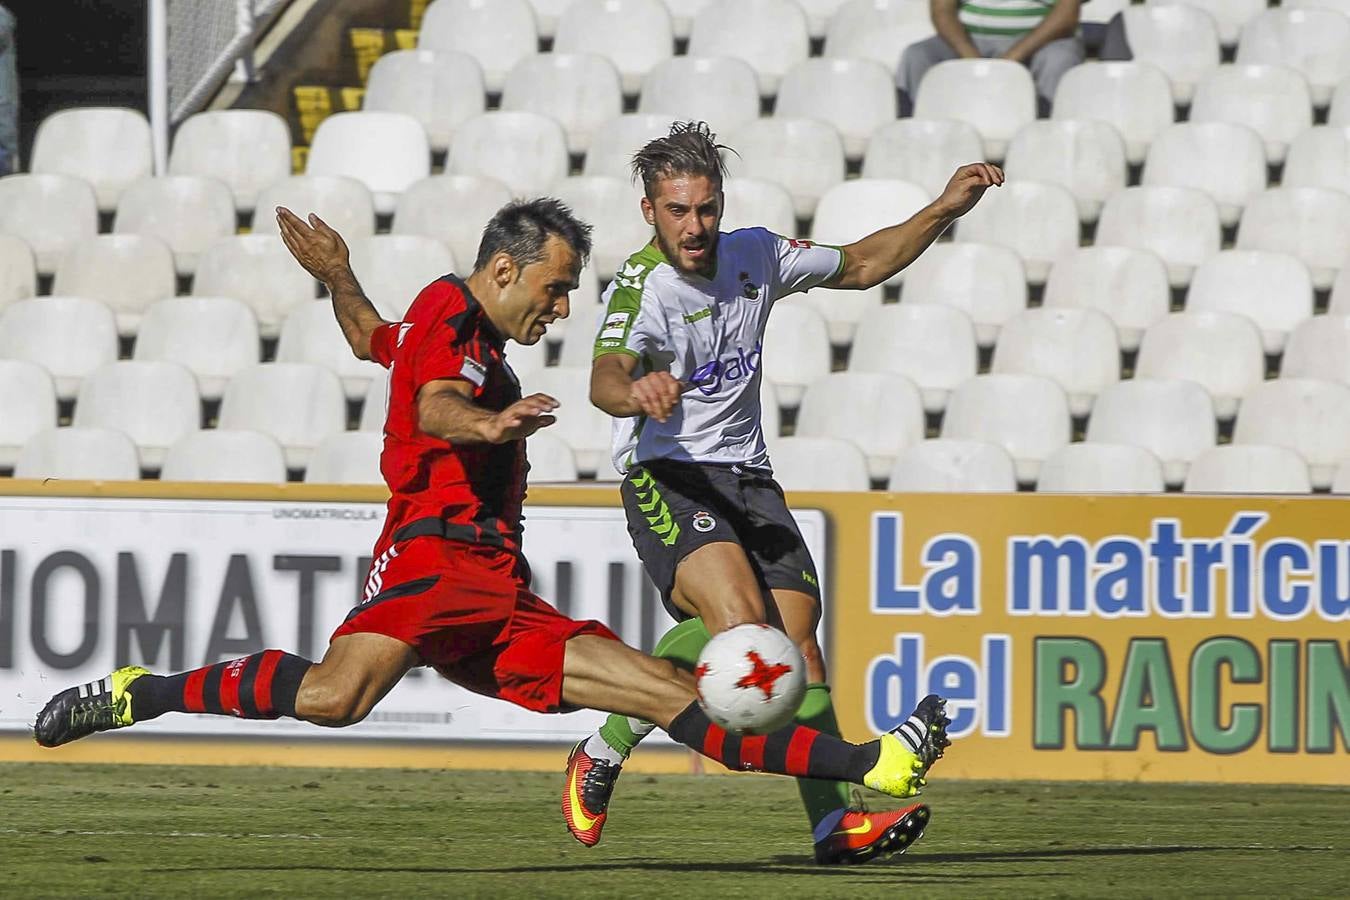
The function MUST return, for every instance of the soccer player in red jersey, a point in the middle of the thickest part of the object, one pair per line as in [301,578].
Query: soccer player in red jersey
[449,587]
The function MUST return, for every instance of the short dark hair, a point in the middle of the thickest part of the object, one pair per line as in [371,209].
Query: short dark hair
[690,148]
[521,228]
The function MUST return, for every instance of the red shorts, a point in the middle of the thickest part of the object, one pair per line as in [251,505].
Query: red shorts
[467,612]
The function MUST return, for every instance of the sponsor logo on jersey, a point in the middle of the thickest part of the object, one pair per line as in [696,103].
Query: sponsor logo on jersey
[693,317]
[710,376]
[473,370]
[616,324]
[800,245]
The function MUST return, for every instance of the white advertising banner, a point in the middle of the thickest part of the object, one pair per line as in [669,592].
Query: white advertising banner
[89,584]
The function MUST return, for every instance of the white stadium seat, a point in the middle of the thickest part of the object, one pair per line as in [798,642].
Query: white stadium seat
[1248,469]
[997,96]
[525,151]
[719,90]
[213,337]
[878,30]
[615,142]
[1180,225]
[844,309]
[258,271]
[635,35]
[926,152]
[1133,97]
[1172,419]
[1339,114]
[95,454]
[1227,162]
[50,212]
[68,336]
[1181,40]
[298,404]
[28,397]
[819,464]
[344,203]
[578,346]
[452,209]
[856,96]
[854,209]
[933,346]
[739,29]
[583,314]
[1319,157]
[1101,469]
[954,466]
[1129,286]
[551,460]
[18,274]
[312,335]
[438,89]
[546,15]
[1273,290]
[755,203]
[225,455]
[986,282]
[246,149]
[818,14]
[1025,414]
[187,212]
[128,272]
[107,147]
[796,350]
[376,403]
[1319,348]
[1037,221]
[497,33]
[385,151]
[1087,158]
[805,156]
[584,427]
[1271,100]
[1076,348]
[1099,12]
[349,457]
[1229,15]
[579,90]
[1341,482]
[771,413]
[682,14]
[153,403]
[1309,223]
[393,268]
[1308,416]
[1316,42]
[847,403]
[612,206]
[1219,351]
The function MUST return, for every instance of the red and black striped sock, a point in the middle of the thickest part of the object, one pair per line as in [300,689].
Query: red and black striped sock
[795,750]
[261,686]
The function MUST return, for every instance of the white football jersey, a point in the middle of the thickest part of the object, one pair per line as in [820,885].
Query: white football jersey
[708,333]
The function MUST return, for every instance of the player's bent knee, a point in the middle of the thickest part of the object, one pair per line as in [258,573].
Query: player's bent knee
[330,705]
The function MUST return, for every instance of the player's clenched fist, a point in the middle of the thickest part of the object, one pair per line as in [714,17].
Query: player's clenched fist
[967,186]
[523,418]
[656,394]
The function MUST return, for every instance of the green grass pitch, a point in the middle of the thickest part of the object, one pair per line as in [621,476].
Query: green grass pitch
[152,831]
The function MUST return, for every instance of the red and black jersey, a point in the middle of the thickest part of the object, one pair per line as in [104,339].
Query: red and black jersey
[471,492]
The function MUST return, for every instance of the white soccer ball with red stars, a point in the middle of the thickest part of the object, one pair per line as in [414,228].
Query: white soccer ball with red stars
[751,679]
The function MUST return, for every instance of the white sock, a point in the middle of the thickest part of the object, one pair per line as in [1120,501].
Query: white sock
[596,748]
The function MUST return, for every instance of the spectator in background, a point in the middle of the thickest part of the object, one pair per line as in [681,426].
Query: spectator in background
[1040,34]
[9,95]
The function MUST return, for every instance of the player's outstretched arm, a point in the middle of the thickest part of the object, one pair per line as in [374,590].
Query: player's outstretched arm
[880,255]
[323,253]
[614,389]
[445,409]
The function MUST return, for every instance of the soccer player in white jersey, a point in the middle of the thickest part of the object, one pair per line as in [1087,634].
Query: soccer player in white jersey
[677,363]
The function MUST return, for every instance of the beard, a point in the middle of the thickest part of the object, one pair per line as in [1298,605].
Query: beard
[671,251]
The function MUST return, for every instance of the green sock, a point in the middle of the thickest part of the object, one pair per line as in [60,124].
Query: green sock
[681,645]
[820,797]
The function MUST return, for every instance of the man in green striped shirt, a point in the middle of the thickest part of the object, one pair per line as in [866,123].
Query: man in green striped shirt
[1040,34]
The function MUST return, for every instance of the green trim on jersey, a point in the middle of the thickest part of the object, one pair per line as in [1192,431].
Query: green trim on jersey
[625,302]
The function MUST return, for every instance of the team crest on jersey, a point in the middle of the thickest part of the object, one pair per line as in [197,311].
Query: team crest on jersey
[473,370]
[800,244]
[749,290]
[703,522]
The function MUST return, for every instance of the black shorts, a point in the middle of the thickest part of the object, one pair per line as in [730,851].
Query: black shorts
[673,508]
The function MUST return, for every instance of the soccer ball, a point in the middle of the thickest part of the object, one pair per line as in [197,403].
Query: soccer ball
[750,679]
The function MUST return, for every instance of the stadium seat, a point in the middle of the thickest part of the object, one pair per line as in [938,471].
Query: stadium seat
[438,89]
[153,403]
[577,346]
[1172,419]
[393,268]
[344,203]
[385,151]
[1087,158]
[1101,469]
[796,350]
[585,428]
[1181,40]
[739,29]
[1273,290]
[878,30]
[805,156]
[754,203]
[28,397]
[719,90]
[1129,286]
[1319,157]
[525,151]
[1248,469]
[1037,221]
[1219,351]
[312,335]
[615,142]
[497,33]
[578,90]
[854,209]
[1227,162]
[245,149]
[107,147]
[819,464]
[933,346]
[985,281]
[1309,223]
[583,313]
[376,403]
[50,213]
[187,212]
[225,455]
[349,457]
[818,14]
[213,337]
[1273,101]
[68,336]
[682,14]
[1180,225]
[612,206]
[1229,15]
[1134,97]
[1025,414]
[546,15]
[997,96]
[771,413]
[297,404]
[551,460]
[1308,416]
[18,274]
[843,309]
[635,35]
[1319,347]
[1341,482]
[847,403]
[1339,114]
[128,272]
[93,454]
[856,96]
[1316,42]
[452,209]
[258,271]
[1076,348]
[953,466]
[926,152]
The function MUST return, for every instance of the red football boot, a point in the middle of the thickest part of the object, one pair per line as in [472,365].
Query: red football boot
[586,793]
[861,835]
